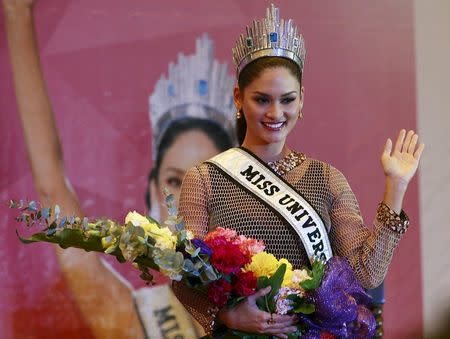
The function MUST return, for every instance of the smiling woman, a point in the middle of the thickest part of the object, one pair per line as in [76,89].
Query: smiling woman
[278,90]
[271,107]
[269,98]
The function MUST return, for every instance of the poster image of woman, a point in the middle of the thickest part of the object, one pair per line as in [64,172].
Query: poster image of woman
[187,126]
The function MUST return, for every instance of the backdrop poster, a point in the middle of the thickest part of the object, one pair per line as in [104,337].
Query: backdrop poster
[102,60]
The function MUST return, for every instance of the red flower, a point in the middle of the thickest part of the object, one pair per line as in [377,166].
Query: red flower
[244,284]
[227,257]
[219,292]
[326,335]
[214,242]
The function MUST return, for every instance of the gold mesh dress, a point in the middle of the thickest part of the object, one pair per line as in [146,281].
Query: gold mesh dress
[209,199]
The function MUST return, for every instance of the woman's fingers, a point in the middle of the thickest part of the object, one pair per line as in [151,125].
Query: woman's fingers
[419,151]
[387,147]
[399,142]
[412,144]
[407,141]
[260,293]
[283,319]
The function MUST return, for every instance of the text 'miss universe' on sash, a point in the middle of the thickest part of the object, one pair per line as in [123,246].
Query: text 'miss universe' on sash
[252,174]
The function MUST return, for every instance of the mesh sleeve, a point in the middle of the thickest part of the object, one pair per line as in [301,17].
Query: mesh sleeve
[369,251]
[193,208]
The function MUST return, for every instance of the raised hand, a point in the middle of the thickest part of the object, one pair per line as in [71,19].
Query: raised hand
[11,6]
[247,317]
[400,164]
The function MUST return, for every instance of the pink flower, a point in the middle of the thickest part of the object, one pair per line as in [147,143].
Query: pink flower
[250,245]
[227,233]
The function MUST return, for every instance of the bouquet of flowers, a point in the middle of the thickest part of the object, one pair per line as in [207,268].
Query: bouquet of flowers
[227,267]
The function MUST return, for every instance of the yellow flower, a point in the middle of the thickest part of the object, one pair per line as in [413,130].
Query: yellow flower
[108,241]
[263,264]
[163,237]
[138,220]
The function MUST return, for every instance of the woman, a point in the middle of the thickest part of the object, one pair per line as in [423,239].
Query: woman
[236,188]
[184,125]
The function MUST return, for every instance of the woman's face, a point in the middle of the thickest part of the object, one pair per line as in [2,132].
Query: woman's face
[271,105]
[188,149]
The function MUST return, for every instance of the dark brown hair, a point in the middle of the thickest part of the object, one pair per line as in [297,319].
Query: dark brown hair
[252,72]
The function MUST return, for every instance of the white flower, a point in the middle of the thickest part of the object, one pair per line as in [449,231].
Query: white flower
[189,235]
[300,275]
[284,305]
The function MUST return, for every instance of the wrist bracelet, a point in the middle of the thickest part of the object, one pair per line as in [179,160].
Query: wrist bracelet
[397,222]
[212,312]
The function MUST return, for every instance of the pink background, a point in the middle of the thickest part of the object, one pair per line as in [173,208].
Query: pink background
[101,60]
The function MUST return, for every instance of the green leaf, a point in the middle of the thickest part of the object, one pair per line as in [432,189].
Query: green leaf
[232,334]
[149,218]
[262,282]
[275,282]
[210,273]
[261,302]
[67,238]
[317,272]
[294,297]
[305,309]
[45,213]
[51,231]
[295,335]
[188,265]
[32,206]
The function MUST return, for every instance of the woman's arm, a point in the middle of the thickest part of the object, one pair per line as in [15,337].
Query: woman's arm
[399,166]
[105,302]
[370,252]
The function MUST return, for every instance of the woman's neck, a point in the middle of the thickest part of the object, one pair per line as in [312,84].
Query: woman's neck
[268,152]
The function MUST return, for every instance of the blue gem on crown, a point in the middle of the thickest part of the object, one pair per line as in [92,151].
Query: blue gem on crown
[202,87]
[171,90]
[273,37]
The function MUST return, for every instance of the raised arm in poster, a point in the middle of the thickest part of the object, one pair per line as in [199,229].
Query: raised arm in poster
[191,114]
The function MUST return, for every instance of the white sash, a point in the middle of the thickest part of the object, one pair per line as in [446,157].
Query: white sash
[279,196]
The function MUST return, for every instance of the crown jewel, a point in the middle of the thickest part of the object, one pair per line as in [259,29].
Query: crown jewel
[270,37]
[197,86]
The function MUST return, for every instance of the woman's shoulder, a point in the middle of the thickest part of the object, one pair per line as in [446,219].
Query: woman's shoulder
[203,167]
[329,170]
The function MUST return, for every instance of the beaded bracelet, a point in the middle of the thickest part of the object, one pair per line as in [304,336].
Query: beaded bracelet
[397,222]
[212,312]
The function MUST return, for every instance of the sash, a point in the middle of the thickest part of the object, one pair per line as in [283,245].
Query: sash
[257,178]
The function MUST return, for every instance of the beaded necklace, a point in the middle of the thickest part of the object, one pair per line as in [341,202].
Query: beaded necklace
[289,162]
